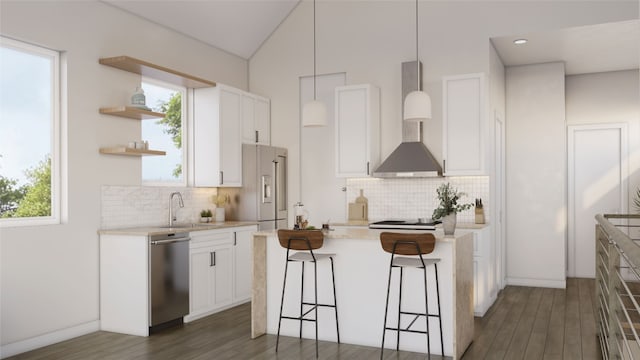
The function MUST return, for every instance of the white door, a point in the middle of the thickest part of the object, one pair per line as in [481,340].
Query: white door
[597,184]
[320,190]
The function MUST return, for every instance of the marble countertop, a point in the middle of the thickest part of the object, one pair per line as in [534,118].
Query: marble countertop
[363,223]
[373,234]
[160,230]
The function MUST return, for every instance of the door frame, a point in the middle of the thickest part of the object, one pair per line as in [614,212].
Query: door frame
[624,176]
[499,214]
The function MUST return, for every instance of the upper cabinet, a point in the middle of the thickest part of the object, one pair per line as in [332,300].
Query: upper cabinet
[464,98]
[357,130]
[217,137]
[256,119]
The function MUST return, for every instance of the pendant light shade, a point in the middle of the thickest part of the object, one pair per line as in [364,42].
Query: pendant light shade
[314,113]
[417,104]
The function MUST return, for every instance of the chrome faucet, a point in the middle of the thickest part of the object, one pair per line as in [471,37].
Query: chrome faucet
[172,216]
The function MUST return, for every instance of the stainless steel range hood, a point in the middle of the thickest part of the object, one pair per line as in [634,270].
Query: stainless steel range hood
[411,158]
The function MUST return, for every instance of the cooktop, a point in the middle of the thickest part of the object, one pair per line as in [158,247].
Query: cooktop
[405,224]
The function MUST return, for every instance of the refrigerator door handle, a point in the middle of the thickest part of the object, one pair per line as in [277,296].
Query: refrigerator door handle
[266,189]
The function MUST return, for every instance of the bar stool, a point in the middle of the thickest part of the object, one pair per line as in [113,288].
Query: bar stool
[411,244]
[306,241]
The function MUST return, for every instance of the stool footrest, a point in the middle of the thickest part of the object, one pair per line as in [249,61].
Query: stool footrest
[418,314]
[408,330]
[298,318]
[325,305]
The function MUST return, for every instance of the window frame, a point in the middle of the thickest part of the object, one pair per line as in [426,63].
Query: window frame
[55,135]
[185,139]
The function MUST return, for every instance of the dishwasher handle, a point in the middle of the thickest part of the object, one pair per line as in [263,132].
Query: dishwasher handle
[170,241]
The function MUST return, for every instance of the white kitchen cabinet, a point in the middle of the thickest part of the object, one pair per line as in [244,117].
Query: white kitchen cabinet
[485,291]
[256,119]
[463,125]
[210,272]
[217,158]
[124,284]
[357,130]
[242,263]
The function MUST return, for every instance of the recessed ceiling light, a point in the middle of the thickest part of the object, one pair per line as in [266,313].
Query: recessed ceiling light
[520,41]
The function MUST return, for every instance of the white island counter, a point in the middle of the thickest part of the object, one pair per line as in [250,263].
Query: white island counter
[361,273]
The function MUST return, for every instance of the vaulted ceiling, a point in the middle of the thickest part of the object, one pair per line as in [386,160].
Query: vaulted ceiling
[240,27]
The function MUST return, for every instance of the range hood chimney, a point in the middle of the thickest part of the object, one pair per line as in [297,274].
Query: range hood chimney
[411,158]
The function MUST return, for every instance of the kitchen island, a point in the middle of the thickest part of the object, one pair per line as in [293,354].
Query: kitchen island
[361,273]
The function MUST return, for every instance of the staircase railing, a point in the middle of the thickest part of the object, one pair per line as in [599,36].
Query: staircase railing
[618,285]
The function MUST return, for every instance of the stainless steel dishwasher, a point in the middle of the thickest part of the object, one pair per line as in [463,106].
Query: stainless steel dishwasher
[168,279]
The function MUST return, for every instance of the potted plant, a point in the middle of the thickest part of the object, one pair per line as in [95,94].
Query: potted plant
[449,207]
[636,200]
[220,200]
[205,216]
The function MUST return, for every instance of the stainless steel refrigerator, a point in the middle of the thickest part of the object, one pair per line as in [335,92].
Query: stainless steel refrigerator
[263,196]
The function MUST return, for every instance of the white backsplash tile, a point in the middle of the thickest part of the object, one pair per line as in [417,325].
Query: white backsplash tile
[129,206]
[414,198]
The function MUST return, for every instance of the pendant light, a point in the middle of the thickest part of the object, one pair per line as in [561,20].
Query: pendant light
[314,113]
[417,104]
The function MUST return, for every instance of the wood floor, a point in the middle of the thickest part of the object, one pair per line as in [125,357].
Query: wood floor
[524,323]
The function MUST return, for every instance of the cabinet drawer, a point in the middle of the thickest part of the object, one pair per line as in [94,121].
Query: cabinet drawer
[207,238]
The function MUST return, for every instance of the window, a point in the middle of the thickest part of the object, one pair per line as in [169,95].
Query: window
[29,134]
[164,134]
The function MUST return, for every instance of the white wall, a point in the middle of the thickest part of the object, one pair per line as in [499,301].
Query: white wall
[370,39]
[536,175]
[50,273]
[609,97]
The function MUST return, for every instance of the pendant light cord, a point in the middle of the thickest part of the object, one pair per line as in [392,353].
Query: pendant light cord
[417,57]
[314,50]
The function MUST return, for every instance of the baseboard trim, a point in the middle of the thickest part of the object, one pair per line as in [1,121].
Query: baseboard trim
[33,343]
[558,284]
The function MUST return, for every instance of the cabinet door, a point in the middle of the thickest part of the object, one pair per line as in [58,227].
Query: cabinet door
[222,261]
[262,120]
[243,265]
[206,132]
[201,280]
[463,127]
[357,135]
[230,137]
[248,119]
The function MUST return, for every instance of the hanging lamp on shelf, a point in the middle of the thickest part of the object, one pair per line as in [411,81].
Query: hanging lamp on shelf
[417,104]
[314,113]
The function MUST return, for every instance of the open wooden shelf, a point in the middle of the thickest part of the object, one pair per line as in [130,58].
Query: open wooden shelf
[131,112]
[123,150]
[144,68]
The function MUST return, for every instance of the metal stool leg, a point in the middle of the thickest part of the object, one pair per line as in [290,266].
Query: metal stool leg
[335,301]
[399,311]
[315,285]
[284,283]
[386,309]
[426,309]
[301,298]
[435,266]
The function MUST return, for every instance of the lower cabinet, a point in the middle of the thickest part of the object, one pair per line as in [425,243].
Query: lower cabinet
[210,272]
[484,289]
[219,270]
